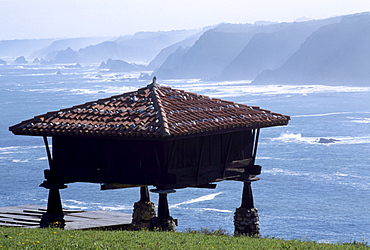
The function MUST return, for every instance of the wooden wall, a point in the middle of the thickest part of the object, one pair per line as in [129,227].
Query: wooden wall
[165,164]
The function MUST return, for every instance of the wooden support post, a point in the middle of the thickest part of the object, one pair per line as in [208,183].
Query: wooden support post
[247,196]
[144,194]
[164,222]
[54,216]
[163,211]
[54,202]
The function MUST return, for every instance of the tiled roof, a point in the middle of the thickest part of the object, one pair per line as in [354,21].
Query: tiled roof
[154,111]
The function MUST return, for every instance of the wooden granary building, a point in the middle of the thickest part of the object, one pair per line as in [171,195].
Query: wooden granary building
[155,136]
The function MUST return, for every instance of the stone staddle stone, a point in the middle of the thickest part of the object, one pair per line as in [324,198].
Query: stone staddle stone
[160,224]
[246,222]
[143,213]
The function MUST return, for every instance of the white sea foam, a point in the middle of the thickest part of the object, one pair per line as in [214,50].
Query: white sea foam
[40,74]
[324,114]
[115,208]
[199,199]
[294,137]
[268,158]
[280,171]
[7,150]
[42,90]
[42,158]
[215,210]
[74,207]
[289,217]
[19,161]
[237,88]
[340,140]
[337,177]
[264,158]
[353,140]
[333,113]
[75,204]
[16,149]
[360,120]
[182,81]
[106,89]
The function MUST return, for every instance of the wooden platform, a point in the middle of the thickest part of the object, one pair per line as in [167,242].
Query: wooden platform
[29,216]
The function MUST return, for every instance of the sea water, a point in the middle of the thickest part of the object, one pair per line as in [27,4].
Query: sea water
[308,190]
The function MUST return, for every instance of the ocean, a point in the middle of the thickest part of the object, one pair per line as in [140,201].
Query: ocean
[308,190]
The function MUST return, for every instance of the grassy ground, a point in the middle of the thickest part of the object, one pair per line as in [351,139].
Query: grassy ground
[20,238]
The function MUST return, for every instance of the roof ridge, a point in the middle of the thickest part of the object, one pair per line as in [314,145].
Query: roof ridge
[154,87]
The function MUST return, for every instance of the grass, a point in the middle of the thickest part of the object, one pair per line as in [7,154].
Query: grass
[21,238]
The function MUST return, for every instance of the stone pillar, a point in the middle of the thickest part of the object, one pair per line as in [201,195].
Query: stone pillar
[246,220]
[164,222]
[144,211]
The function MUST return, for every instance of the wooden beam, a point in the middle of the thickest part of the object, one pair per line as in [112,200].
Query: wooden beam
[50,159]
[107,186]
[209,186]
[256,136]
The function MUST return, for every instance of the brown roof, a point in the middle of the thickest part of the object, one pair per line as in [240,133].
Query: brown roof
[154,111]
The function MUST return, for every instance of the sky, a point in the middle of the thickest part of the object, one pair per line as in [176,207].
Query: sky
[30,19]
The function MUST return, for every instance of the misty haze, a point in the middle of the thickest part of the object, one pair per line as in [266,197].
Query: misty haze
[332,51]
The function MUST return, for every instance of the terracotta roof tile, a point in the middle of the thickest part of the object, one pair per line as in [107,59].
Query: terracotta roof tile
[153,111]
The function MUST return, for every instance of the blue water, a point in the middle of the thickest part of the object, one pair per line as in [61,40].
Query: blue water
[307,191]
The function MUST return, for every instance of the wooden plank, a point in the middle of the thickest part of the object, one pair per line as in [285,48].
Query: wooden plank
[20,213]
[67,211]
[40,212]
[92,224]
[12,221]
[17,208]
[2,224]
[21,217]
[37,221]
[18,225]
[101,214]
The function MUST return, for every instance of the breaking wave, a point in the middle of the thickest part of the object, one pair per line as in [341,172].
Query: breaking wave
[80,205]
[15,149]
[336,177]
[199,199]
[333,113]
[360,120]
[103,89]
[19,161]
[215,210]
[244,87]
[339,140]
